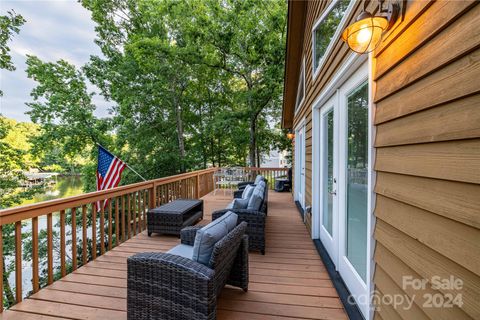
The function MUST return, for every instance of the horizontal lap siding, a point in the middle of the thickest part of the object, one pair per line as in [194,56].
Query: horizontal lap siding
[427,98]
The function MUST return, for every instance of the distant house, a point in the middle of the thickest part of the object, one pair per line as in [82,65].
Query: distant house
[275,159]
[387,151]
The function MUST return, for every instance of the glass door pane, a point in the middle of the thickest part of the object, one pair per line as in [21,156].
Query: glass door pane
[327,210]
[357,179]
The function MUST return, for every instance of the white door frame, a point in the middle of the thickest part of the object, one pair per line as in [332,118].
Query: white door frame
[299,187]
[352,64]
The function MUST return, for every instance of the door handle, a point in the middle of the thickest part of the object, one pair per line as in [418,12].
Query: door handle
[333,193]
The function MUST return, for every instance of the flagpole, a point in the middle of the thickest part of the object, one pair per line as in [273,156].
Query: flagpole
[138,174]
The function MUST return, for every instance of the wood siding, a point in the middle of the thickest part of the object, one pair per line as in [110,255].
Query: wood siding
[427,143]
[427,118]
[313,87]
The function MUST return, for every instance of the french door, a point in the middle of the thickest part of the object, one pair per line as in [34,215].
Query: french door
[328,178]
[343,182]
[300,165]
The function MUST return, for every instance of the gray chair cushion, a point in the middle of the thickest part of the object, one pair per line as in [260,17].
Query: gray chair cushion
[207,236]
[262,185]
[230,205]
[182,250]
[255,201]
[239,203]
[230,218]
[258,179]
[247,192]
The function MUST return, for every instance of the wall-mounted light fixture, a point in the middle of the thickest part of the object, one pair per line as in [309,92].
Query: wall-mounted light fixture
[290,135]
[366,33]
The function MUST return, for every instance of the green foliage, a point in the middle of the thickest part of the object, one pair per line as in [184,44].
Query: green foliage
[204,78]
[9,25]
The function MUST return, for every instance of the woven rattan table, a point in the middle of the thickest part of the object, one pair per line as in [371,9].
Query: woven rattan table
[170,218]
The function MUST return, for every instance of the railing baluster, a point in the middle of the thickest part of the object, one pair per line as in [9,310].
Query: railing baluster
[144,209]
[74,238]
[94,232]
[117,222]
[18,261]
[84,235]
[35,282]
[102,227]
[62,243]
[123,219]
[134,205]
[110,241]
[49,249]
[1,268]
[129,217]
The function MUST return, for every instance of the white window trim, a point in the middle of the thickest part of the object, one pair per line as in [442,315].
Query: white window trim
[299,104]
[335,37]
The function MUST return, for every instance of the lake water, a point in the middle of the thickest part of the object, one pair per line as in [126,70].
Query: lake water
[66,186]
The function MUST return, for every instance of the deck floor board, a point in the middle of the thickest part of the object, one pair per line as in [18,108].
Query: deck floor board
[289,282]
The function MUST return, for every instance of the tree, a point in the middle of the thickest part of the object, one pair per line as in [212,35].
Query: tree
[9,26]
[246,39]
[63,107]
[156,56]
[11,176]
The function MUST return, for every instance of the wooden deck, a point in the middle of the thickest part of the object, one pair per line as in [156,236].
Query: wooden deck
[290,281]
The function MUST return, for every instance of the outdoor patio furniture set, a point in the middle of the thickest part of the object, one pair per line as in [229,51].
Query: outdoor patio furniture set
[184,283]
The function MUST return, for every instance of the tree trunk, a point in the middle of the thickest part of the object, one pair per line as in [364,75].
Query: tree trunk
[181,140]
[258,156]
[6,286]
[253,140]
[212,150]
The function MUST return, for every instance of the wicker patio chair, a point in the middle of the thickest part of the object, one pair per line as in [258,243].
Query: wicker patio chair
[167,286]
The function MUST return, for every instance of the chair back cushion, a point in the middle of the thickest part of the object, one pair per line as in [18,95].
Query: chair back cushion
[247,192]
[262,185]
[239,203]
[256,200]
[258,179]
[224,254]
[207,236]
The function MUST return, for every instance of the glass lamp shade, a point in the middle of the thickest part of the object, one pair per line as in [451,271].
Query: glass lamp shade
[290,136]
[365,35]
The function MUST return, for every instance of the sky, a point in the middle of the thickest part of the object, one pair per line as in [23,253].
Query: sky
[54,30]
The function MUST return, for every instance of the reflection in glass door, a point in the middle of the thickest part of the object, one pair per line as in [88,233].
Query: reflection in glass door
[328,182]
[353,194]
[327,174]
[357,179]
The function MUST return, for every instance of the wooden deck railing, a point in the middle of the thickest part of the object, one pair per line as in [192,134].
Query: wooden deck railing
[122,216]
[269,173]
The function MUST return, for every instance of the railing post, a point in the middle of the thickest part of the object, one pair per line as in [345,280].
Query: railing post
[151,197]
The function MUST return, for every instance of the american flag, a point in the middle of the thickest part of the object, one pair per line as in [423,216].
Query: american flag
[109,172]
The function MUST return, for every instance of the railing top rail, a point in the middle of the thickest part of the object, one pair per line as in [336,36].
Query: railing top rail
[45,207]
[41,208]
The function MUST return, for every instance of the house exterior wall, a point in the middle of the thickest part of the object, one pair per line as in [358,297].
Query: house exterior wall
[427,75]
[313,87]
[426,80]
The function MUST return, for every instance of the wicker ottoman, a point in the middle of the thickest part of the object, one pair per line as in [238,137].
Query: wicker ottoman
[170,218]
